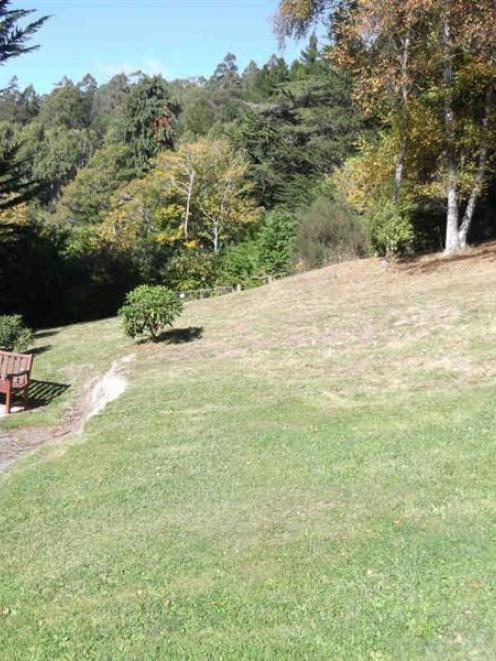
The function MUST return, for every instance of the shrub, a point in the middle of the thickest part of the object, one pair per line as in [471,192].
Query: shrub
[149,309]
[239,265]
[390,229]
[192,269]
[14,335]
[276,241]
[328,231]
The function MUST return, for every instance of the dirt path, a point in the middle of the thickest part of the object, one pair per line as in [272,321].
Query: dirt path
[101,391]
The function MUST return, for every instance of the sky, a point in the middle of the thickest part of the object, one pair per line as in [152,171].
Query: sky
[177,38]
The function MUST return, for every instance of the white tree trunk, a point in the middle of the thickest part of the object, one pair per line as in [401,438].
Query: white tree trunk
[479,175]
[216,235]
[188,203]
[452,216]
[474,198]
[400,158]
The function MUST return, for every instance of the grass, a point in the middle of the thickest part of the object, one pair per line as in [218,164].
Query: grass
[311,478]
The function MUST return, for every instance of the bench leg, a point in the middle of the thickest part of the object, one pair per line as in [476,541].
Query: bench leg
[8,400]
[25,397]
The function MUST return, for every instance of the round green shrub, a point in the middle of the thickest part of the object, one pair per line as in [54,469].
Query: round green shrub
[148,309]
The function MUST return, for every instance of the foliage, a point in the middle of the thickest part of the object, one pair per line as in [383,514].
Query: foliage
[239,264]
[191,269]
[14,335]
[305,129]
[87,197]
[68,106]
[14,38]
[15,186]
[55,154]
[390,229]
[328,231]
[425,72]
[149,115]
[149,309]
[276,239]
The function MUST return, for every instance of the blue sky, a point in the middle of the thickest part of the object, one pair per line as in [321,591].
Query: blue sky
[178,38]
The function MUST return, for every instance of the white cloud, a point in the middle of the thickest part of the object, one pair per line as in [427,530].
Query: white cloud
[151,66]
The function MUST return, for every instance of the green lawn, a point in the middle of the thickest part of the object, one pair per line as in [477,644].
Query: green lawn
[312,478]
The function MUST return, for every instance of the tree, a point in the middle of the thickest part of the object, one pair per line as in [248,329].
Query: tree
[225,201]
[66,106]
[306,128]
[18,106]
[107,100]
[55,155]
[86,199]
[150,116]
[226,74]
[14,38]
[208,179]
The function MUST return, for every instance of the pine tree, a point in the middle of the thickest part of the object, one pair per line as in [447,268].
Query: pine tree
[14,40]
[13,37]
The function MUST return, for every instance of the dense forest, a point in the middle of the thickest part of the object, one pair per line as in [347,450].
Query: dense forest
[203,183]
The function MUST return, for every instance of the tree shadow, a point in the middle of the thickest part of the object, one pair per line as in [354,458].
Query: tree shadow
[41,393]
[39,350]
[430,265]
[48,333]
[178,335]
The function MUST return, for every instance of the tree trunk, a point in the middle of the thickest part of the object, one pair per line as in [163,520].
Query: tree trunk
[215,234]
[400,158]
[452,216]
[188,204]
[479,176]
[474,198]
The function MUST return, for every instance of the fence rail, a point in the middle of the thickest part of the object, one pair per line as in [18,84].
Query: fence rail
[195,294]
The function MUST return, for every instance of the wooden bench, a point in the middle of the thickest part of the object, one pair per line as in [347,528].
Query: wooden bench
[15,372]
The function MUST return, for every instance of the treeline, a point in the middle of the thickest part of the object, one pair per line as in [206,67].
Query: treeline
[377,141]
[190,183]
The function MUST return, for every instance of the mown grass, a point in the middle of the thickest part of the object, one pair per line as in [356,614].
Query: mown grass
[312,478]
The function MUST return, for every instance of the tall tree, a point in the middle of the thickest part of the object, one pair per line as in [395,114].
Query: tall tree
[226,74]
[14,41]
[150,116]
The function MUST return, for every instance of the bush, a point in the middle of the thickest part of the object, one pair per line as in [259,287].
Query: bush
[149,309]
[191,269]
[239,265]
[14,335]
[328,231]
[390,229]
[276,241]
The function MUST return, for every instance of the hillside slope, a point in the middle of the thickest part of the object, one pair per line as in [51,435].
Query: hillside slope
[306,470]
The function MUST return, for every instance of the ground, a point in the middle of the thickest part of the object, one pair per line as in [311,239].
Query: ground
[304,470]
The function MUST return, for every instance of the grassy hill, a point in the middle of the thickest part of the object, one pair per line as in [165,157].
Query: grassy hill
[311,475]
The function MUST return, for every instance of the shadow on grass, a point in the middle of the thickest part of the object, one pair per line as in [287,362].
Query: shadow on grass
[48,333]
[39,350]
[177,336]
[42,393]
[417,265]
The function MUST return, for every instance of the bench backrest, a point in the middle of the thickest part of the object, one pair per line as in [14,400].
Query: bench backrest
[15,363]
